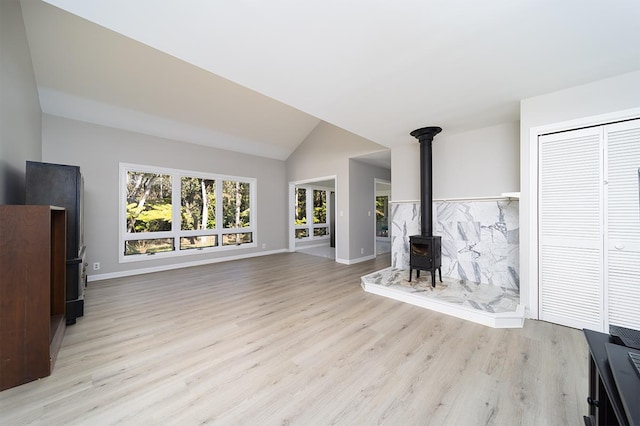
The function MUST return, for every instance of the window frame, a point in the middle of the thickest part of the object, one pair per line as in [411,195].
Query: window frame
[176,222]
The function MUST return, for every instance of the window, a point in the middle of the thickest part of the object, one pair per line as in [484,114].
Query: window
[319,206]
[235,206]
[198,203]
[301,206]
[311,203]
[170,212]
[319,232]
[148,202]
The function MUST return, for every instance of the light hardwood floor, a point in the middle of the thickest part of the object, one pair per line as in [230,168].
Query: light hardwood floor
[293,339]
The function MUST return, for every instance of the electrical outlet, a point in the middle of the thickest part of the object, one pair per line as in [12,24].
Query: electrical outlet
[362,251]
[264,245]
[96,266]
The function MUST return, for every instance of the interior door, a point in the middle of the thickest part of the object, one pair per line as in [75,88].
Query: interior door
[571,228]
[622,191]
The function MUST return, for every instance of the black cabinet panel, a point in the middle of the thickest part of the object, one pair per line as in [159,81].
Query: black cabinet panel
[63,186]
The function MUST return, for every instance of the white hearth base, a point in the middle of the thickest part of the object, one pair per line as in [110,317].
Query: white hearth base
[484,304]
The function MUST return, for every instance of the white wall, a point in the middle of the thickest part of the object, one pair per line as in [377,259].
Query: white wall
[405,170]
[477,163]
[598,98]
[98,150]
[326,152]
[20,115]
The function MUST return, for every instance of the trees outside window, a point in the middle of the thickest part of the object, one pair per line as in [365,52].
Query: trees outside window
[148,202]
[319,206]
[153,197]
[301,206]
[236,209]
[320,232]
[198,203]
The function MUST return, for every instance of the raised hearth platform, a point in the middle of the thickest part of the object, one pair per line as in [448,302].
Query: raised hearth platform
[485,304]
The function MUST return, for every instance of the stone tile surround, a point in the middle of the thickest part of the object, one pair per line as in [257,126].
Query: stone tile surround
[480,238]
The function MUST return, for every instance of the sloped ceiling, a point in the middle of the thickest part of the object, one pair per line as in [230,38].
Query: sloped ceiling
[264,73]
[86,72]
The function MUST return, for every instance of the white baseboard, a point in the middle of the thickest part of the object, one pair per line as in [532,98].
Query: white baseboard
[132,272]
[326,244]
[357,260]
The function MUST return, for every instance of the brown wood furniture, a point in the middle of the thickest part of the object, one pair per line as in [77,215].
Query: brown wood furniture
[32,291]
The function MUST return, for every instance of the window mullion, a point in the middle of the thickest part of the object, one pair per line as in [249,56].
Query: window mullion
[219,217]
[176,201]
[310,211]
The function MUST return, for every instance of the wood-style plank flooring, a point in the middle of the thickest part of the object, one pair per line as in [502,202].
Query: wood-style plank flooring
[293,339]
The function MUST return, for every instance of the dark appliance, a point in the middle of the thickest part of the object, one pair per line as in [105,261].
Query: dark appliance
[425,250]
[63,186]
[625,336]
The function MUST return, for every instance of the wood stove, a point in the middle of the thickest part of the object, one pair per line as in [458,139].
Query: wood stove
[425,255]
[425,250]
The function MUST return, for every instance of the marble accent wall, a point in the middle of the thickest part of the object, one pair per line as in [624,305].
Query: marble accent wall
[479,238]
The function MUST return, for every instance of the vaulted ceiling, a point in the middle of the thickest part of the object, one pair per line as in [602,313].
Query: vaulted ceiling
[257,76]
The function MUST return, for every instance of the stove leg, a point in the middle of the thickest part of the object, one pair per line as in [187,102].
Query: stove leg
[440,273]
[410,273]
[433,278]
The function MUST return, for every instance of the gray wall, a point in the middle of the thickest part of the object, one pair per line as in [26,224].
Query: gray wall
[477,163]
[326,152]
[601,97]
[98,150]
[20,116]
[362,214]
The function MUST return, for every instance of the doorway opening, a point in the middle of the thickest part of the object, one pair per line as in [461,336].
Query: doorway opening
[382,236]
[312,218]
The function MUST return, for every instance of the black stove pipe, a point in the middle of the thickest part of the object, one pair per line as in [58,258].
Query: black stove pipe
[425,137]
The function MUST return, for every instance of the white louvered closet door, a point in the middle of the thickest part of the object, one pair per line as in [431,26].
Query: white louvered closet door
[571,228]
[622,257]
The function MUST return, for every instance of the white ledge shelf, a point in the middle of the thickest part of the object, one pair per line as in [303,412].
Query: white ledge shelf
[513,195]
[503,196]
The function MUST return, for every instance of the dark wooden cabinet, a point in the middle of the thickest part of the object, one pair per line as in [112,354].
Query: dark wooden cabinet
[62,185]
[32,291]
[614,386]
